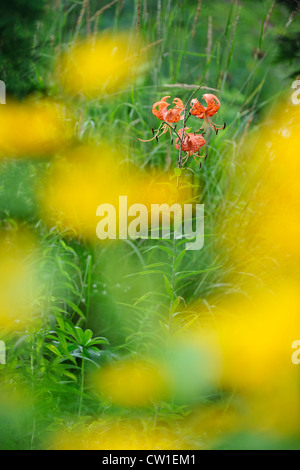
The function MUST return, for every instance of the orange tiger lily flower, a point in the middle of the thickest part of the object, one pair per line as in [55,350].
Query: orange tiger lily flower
[213,106]
[191,143]
[161,111]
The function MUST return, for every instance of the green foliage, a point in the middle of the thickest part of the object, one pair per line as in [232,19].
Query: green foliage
[20,25]
[289,44]
[289,51]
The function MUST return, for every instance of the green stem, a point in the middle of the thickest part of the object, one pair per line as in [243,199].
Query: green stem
[81,387]
[172,284]
[88,291]
[185,119]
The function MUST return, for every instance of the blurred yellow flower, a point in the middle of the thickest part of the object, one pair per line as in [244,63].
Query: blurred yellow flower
[98,66]
[18,279]
[119,434]
[256,339]
[210,423]
[132,383]
[276,409]
[32,129]
[86,177]
[262,226]
[279,141]
[251,341]
[256,344]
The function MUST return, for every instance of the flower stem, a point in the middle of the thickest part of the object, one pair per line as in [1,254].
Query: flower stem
[185,119]
[81,387]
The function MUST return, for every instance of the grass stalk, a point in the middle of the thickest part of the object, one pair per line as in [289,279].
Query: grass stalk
[199,8]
